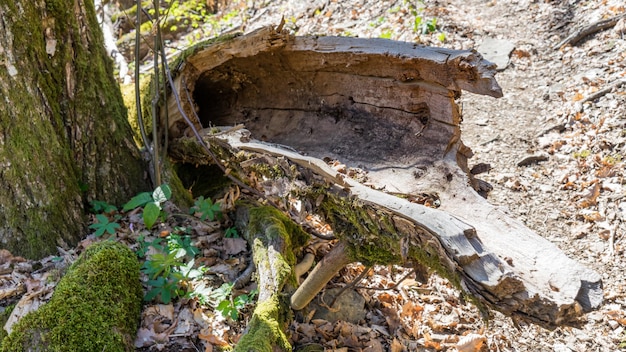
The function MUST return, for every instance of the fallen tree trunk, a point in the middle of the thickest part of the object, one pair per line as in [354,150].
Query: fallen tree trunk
[383,114]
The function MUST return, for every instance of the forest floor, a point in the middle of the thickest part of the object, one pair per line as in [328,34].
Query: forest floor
[564,107]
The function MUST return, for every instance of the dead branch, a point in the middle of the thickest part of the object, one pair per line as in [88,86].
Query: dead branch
[583,32]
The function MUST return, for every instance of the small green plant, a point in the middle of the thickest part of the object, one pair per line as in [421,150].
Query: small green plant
[231,232]
[165,288]
[170,268]
[379,21]
[230,306]
[583,154]
[421,24]
[424,27]
[386,34]
[144,246]
[176,242]
[612,159]
[98,206]
[205,209]
[103,225]
[151,203]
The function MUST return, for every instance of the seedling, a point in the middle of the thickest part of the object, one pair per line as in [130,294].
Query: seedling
[98,206]
[231,306]
[170,268]
[103,225]
[205,209]
[231,232]
[151,203]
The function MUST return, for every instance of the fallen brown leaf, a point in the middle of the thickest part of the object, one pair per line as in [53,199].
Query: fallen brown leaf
[207,336]
[470,343]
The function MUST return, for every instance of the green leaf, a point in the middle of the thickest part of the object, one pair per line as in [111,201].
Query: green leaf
[227,309]
[98,206]
[166,296]
[221,293]
[231,232]
[138,201]
[162,193]
[151,213]
[151,294]
[103,225]
[206,208]
[179,253]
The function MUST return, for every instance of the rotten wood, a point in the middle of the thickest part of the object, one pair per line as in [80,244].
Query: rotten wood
[387,111]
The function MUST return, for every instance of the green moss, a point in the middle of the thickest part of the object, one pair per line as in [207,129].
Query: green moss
[266,328]
[277,224]
[177,63]
[146,89]
[95,307]
[4,316]
[374,239]
[372,236]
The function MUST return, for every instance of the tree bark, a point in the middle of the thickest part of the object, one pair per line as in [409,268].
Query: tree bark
[64,138]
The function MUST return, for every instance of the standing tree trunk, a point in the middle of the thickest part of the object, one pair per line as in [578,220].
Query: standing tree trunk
[64,138]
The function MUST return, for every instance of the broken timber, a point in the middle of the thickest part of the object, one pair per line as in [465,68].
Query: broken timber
[386,109]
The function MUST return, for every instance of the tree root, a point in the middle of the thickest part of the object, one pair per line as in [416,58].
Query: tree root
[328,267]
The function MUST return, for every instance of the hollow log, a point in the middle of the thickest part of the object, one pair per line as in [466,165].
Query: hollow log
[361,132]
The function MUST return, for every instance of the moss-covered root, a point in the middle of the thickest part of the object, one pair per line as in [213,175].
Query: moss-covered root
[273,237]
[265,330]
[95,307]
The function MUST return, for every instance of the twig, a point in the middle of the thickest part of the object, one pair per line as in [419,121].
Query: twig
[604,90]
[581,33]
[351,284]
[245,276]
[155,98]
[388,288]
[232,129]
[196,219]
[612,241]
[142,128]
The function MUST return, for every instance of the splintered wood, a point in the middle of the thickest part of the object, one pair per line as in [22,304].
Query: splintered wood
[386,109]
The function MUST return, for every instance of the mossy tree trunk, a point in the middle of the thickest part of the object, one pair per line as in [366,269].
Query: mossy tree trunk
[64,138]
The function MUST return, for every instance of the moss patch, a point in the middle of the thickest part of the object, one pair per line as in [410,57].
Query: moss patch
[266,328]
[146,92]
[95,307]
[374,238]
